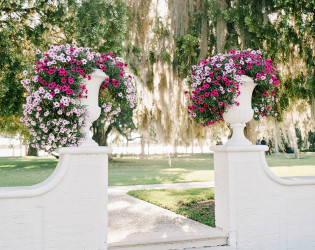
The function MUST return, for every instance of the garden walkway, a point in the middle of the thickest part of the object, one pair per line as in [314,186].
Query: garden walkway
[136,224]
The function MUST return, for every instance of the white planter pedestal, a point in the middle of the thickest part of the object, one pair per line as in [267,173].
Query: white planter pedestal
[237,116]
[91,103]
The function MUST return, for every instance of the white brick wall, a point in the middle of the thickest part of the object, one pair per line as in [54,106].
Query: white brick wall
[258,209]
[68,211]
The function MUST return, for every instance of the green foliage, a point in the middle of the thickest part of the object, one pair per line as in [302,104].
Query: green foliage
[98,24]
[186,53]
[102,25]
[311,139]
[136,49]
[195,22]
[286,35]
[133,68]
[10,126]
[152,57]
[166,56]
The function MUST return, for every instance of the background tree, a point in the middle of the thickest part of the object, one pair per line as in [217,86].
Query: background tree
[28,25]
[283,29]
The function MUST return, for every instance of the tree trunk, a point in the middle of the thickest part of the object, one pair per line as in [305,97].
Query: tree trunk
[313,111]
[26,150]
[101,134]
[275,133]
[21,141]
[276,142]
[175,148]
[307,144]
[293,138]
[32,151]
[221,27]
[142,148]
[250,131]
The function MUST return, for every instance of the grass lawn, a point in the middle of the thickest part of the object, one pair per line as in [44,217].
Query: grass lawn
[25,171]
[133,171]
[194,203]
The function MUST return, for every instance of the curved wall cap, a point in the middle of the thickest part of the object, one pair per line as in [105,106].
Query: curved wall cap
[261,161]
[41,188]
[56,177]
[287,181]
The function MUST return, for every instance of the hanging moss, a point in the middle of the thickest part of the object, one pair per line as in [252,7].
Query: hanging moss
[133,68]
[159,30]
[149,80]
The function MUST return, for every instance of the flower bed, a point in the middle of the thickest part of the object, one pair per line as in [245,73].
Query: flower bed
[215,85]
[53,111]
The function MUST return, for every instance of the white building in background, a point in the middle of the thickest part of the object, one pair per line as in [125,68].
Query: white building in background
[11,147]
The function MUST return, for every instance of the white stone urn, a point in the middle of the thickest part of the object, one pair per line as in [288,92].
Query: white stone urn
[91,102]
[237,116]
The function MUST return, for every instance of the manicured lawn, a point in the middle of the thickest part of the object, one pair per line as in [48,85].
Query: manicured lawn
[194,203]
[133,171]
[282,166]
[25,171]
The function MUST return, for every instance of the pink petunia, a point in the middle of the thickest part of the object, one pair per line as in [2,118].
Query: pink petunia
[70,80]
[69,91]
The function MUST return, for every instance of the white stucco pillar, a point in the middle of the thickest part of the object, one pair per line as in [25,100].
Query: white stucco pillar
[234,167]
[258,209]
